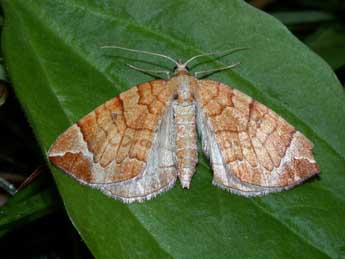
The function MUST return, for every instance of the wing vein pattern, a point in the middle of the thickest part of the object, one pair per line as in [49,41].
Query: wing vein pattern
[252,150]
[121,147]
[134,146]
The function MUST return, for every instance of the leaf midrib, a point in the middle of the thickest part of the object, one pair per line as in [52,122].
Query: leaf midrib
[34,51]
[197,50]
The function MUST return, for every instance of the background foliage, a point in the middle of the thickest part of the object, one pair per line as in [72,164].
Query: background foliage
[59,73]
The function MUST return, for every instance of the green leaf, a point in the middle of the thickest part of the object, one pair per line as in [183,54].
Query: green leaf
[3,92]
[36,200]
[52,49]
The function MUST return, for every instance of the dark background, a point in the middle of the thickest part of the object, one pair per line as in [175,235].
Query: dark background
[34,222]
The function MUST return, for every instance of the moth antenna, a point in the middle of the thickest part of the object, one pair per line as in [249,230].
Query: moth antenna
[150,71]
[229,51]
[216,69]
[141,51]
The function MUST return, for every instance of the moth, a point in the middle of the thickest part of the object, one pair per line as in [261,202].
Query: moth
[137,144]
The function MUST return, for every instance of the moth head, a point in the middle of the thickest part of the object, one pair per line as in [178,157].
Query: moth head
[181,67]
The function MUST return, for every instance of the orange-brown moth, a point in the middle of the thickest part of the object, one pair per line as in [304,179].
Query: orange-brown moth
[136,145]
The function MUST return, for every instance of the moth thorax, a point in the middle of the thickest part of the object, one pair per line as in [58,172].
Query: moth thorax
[184,90]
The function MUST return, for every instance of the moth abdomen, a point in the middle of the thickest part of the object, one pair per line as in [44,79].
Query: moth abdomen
[186,141]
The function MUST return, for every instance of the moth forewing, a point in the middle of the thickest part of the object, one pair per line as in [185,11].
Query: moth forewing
[259,150]
[134,146]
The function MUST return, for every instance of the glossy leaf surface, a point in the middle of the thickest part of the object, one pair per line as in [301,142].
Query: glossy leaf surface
[52,48]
